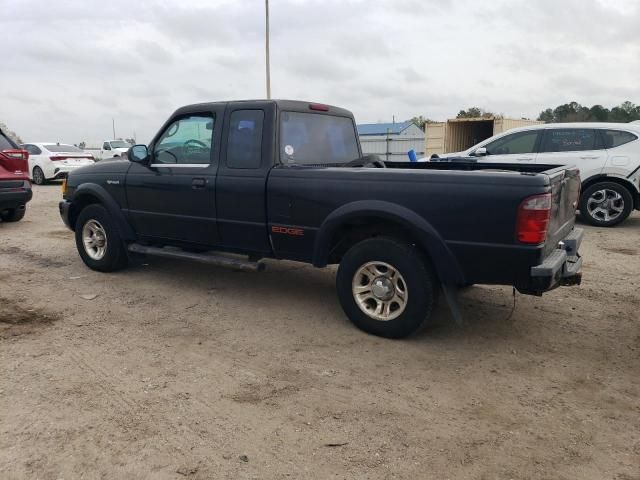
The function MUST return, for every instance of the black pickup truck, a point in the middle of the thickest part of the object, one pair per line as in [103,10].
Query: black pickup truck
[231,183]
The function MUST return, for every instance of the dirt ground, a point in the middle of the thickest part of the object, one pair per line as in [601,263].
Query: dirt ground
[179,370]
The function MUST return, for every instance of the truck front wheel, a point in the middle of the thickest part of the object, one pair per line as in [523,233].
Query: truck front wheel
[98,240]
[385,287]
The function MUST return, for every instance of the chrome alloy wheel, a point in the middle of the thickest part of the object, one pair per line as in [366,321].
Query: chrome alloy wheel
[94,239]
[605,205]
[380,291]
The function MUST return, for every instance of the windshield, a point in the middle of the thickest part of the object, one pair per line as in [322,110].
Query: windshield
[61,147]
[119,144]
[311,138]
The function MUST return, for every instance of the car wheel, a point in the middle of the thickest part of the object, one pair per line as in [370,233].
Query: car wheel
[386,287]
[13,214]
[98,241]
[605,204]
[38,176]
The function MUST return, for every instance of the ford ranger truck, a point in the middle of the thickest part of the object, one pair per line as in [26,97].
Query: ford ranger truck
[232,183]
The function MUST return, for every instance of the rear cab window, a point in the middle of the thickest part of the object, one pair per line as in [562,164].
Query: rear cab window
[317,139]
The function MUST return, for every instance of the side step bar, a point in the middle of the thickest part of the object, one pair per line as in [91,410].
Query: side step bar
[218,260]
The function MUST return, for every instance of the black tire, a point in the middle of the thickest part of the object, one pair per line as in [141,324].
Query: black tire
[38,176]
[420,285]
[115,255]
[13,214]
[624,200]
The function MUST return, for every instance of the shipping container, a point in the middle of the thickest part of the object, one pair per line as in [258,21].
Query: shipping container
[458,134]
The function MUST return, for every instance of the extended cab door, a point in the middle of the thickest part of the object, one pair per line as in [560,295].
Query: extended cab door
[173,196]
[581,147]
[247,146]
[517,147]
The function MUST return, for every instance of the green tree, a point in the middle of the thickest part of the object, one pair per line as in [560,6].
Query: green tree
[547,116]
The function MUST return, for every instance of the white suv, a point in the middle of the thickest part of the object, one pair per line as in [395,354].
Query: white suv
[607,154]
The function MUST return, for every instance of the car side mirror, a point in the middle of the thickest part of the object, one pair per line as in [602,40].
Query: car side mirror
[138,153]
[480,152]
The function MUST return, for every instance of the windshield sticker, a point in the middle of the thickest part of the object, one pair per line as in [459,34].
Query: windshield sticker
[289,150]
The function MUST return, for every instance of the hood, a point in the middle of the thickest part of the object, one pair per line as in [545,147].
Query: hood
[111,167]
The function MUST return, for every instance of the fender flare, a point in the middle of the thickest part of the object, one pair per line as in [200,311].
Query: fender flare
[97,191]
[444,261]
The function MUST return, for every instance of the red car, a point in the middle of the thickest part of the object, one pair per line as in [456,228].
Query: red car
[15,187]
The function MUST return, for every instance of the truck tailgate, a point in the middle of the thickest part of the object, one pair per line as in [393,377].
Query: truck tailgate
[565,190]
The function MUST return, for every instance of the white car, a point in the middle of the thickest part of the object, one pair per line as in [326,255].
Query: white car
[50,161]
[114,149]
[607,154]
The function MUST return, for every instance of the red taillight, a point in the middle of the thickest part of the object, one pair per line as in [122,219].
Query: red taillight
[319,107]
[533,219]
[57,158]
[16,154]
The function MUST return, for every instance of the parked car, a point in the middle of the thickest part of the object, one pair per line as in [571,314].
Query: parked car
[114,149]
[287,180]
[607,154]
[51,161]
[15,188]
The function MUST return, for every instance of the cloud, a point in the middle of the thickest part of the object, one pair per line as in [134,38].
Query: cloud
[88,61]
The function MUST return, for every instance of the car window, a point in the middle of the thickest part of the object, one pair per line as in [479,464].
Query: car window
[516,143]
[120,144]
[616,138]
[187,140]
[6,143]
[569,140]
[32,149]
[61,147]
[106,146]
[310,138]
[245,139]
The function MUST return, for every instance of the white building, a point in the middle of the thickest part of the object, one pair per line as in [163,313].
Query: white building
[391,141]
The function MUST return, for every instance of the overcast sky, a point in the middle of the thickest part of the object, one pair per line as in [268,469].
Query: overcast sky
[69,66]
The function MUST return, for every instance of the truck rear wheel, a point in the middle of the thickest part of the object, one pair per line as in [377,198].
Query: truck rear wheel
[385,287]
[98,240]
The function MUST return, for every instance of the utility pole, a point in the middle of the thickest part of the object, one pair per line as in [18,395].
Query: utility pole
[113,125]
[266,6]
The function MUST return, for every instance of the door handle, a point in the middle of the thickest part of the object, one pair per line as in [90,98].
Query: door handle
[198,183]
[525,159]
[587,157]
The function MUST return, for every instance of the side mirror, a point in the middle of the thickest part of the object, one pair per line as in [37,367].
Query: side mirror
[480,152]
[138,153]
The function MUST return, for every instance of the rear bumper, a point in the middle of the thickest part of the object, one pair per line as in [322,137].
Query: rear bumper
[15,197]
[562,267]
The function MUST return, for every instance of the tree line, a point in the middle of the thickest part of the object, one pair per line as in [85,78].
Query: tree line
[569,112]
[574,112]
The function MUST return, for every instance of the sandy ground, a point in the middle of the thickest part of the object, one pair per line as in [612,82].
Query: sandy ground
[179,370]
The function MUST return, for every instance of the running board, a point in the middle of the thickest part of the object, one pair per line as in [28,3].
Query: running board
[209,258]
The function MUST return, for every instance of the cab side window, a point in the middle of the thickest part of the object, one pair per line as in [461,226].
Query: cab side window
[106,146]
[516,143]
[616,138]
[244,149]
[186,141]
[569,140]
